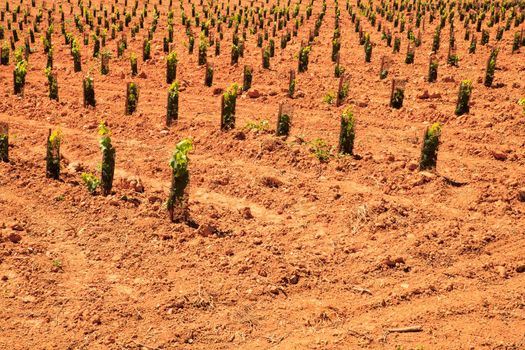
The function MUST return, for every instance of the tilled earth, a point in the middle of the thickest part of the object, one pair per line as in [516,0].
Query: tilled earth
[284,251]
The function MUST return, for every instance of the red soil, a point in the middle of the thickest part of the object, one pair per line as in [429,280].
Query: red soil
[291,253]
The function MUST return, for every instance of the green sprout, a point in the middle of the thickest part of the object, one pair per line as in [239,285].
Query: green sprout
[180,180]
[429,150]
[321,150]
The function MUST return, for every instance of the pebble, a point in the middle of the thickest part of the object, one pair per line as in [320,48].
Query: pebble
[134,183]
[393,262]
[239,136]
[501,271]
[521,194]
[17,227]
[423,178]
[247,213]
[96,320]
[294,279]
[74,167]
[206,230]
[425,95]
[154,199]
[412,166]
[499,155]
[274,290]
[14,237]
[427,175]
[254,94]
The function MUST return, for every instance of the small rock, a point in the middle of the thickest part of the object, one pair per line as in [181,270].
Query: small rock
[299,94]
[272,93]
[206,230]
[134,183]
[247,213]
[399,260]
[501,271]
[272,182]
[520,268]
[143,75]
[393,262]
[425,95]
[179,303]
[239,136]
[17,227]
[499,155]
[427,175]
[28,299]
[254,94]
[274,290]
[270,145]
[521,194]
[294,279]
[449,79]
[154,199]
[75,167]
[423,178]
[96,320]
[14,237]
[217,91]
[89,126]
[412,166]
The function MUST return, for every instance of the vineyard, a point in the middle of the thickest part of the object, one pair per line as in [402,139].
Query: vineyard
[275,174]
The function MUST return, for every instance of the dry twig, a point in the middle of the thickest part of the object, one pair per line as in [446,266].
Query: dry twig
[411,329]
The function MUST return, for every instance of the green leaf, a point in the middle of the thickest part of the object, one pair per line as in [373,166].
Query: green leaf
[179,160]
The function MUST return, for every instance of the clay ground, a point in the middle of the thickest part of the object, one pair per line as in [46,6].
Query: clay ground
[291,253]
